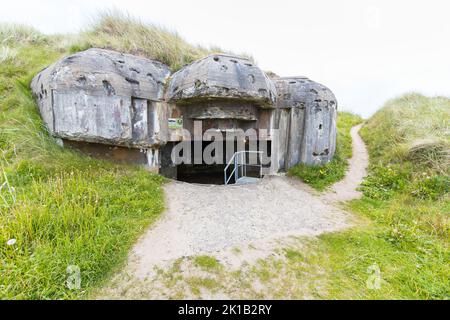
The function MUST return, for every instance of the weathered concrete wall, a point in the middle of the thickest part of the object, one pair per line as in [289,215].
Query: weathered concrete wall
[281,122]
[222,76]
[116,154]
[223,115]
[311,129]
[224,93]
[105,97]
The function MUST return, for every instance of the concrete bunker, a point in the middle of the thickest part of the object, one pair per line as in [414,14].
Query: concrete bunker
[106,104]
[222,96]
[133,110]
[307,111]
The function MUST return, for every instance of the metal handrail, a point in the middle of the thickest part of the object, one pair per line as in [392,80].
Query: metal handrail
[234,160]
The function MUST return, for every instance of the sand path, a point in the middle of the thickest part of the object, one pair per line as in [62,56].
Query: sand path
[216,219]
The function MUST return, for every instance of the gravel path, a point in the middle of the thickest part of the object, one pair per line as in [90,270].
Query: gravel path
[215,219]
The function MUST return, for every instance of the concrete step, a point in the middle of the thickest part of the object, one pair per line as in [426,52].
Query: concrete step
[247,180]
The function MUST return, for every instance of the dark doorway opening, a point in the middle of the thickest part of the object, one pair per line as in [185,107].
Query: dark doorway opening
[210,173]
[201,173]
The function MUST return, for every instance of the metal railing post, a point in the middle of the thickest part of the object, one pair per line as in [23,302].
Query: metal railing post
[244,160]
[260,165]
[241,168]
[236,172]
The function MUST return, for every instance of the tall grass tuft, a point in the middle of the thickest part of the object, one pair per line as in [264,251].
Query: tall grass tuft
[412,127]
[11,33]
[124,33]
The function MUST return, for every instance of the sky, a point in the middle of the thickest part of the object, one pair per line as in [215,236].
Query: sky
[365,51]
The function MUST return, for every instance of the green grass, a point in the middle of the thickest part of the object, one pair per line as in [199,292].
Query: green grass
[405,209]
[63,209]
[207,262]
[124,33]
[321,177]
[411,129]
[196,284]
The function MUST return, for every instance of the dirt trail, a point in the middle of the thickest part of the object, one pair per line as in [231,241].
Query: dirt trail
[215,220]
[345,189]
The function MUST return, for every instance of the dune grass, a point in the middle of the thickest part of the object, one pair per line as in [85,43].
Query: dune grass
[19,34]
[321,177]
[405,209]
[59,211]
[121,32]
[114,30]
[412,128]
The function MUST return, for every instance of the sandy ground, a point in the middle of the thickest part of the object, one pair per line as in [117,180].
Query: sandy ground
[345,189]
[206,219]
[219,220]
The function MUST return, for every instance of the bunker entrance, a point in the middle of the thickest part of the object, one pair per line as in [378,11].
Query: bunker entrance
[201,173]
[239,166]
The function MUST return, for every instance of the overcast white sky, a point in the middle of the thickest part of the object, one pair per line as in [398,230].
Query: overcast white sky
[366,51]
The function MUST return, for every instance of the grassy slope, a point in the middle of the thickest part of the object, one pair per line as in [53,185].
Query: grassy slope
[62,208]
[320,177]
[406,206]
[124,33]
